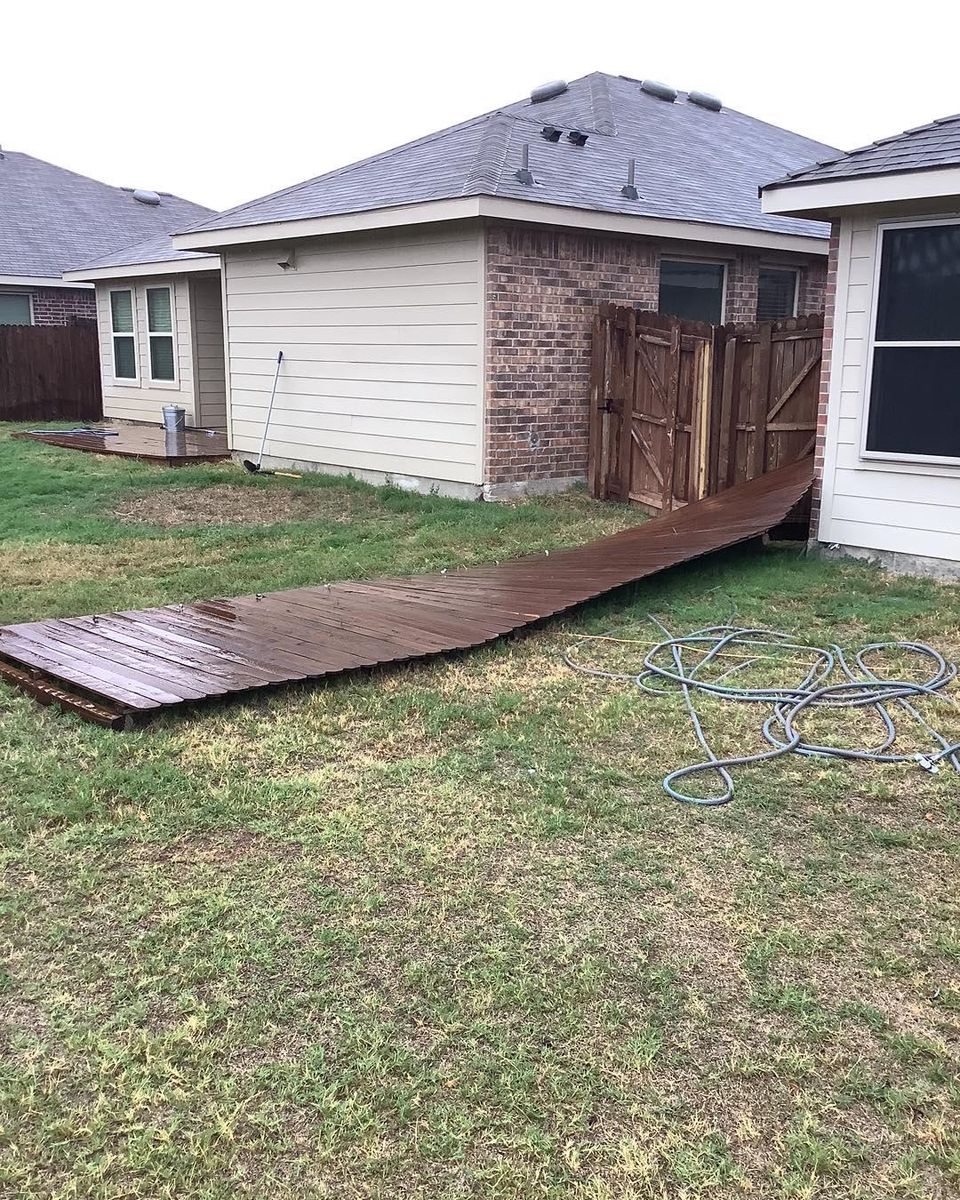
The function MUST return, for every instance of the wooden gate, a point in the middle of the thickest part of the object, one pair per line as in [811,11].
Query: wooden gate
[680,410]
[49,373]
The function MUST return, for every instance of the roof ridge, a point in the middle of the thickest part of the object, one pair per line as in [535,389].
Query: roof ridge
[113,187]
[491,156]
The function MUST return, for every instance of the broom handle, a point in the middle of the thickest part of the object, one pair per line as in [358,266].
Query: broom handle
[273,395]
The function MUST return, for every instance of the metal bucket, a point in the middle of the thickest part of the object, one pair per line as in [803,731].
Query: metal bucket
[174,418]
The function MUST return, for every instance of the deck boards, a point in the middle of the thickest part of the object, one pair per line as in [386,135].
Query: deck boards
[112,666]
[148,443]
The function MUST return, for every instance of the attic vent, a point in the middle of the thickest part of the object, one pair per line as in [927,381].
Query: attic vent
[551,133]
[662,91]
[578,138]
[146,197]
[705,100]
[547,91]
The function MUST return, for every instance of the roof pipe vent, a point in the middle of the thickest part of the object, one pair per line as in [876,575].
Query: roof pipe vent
[146,197]
[524,175]
[551,133]
[705,100]
[629,189]
[577,138]
[547,91]
[662,91]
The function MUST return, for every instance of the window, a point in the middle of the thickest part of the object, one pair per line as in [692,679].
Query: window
[776,294]
[15,309]
[692,290]
[160,334]
[914,398]
[124,339]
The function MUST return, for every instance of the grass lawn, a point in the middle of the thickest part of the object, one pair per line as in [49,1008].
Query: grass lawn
[437,931]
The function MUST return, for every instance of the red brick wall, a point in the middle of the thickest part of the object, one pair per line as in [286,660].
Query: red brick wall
[62,306]
[542,289]
[830,304]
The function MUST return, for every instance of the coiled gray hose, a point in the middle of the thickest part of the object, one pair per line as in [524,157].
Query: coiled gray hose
[859,687]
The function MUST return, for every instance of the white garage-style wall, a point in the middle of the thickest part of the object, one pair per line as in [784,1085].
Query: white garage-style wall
[894,506]
[383,354]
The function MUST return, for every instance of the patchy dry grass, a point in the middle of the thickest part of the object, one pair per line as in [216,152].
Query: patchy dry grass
[437,932]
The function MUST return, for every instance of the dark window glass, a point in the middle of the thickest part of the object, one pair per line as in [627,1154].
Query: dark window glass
[693,291]
[915,401]
[920,285]
[776,294]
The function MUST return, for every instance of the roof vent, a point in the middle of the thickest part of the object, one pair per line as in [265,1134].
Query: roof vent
[551,133]
[705,100]
[524,175]
[146,197]
[662,91]
[578,138]
[547,91]
[629,189]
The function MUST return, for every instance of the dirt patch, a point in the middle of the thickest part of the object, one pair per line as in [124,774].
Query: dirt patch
[233,504]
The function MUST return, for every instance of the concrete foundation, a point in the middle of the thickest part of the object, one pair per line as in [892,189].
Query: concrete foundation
[897,563]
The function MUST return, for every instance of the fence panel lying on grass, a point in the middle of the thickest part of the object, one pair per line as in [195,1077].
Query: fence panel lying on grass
[680,410]
[50,373]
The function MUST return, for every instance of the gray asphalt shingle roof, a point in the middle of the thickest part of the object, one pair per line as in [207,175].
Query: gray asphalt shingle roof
[52,219]
[154,250]
[921,149]
[692,164]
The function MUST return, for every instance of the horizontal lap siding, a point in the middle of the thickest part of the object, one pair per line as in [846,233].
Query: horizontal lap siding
[142,400]
[898,507]
[207,298]
[382,342]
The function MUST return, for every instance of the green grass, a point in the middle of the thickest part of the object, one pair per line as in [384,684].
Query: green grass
[437,931]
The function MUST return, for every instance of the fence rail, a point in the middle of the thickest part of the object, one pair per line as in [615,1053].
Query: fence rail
[49,373]
[680,410]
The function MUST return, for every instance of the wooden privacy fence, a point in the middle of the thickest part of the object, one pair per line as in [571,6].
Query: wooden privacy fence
[49,373]
[680,410]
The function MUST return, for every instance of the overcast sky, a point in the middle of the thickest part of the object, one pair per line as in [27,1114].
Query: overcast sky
[222,103]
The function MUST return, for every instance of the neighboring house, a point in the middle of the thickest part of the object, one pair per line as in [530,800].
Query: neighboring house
[160,316]
[434,303]
[888,453]
[52,219]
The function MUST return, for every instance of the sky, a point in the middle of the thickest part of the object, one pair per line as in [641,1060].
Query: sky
[223,103]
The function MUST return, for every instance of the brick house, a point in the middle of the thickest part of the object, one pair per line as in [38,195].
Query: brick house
[434,303]
[52,219]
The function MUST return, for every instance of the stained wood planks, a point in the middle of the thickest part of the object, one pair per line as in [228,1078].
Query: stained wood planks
[113,666]
[148,443]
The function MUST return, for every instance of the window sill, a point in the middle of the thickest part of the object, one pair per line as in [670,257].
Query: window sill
[909,464]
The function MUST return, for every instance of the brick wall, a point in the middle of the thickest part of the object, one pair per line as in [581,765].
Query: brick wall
[63,306]
[542,290]
[829,292]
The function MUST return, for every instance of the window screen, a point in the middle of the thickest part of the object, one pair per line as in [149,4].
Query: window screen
[124,341]
[14,309]
[915,382]
[776,294]
[160,333]
[693,291]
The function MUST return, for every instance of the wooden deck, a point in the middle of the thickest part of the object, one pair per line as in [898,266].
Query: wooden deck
[149,443]
[114,666]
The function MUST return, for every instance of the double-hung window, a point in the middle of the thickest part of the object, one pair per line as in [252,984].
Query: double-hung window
[160,334]
[15,309]
[124,336]
[913,405]
[692,290]
[776,293]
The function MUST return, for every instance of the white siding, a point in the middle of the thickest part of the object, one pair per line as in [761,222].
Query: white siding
[382,341]
[140,399]
[210,368]
[898,507]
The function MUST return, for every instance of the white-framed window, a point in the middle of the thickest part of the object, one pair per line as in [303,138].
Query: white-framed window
[162,352]
[123,331]
[912,400]
[691,290]
[777,289]
[16,308]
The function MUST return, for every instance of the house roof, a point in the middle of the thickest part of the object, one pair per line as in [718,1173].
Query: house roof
[52,219]
[923,148]
[155,250]
[692,164]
